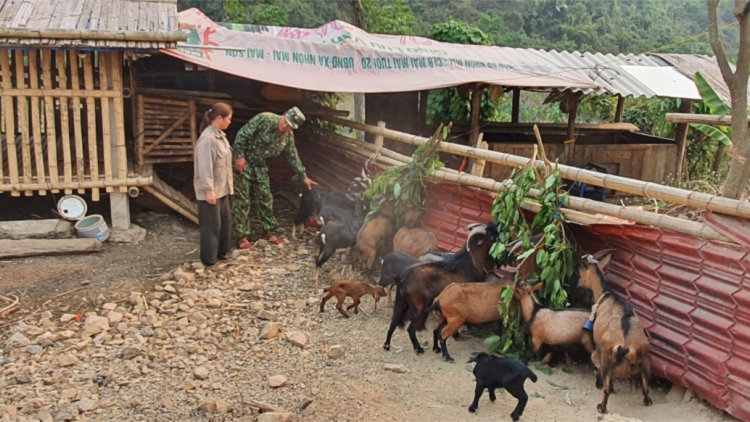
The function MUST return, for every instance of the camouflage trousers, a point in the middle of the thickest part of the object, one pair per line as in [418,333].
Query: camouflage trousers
[252,193]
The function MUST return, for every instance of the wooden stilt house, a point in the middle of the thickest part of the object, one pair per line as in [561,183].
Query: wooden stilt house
[64,88]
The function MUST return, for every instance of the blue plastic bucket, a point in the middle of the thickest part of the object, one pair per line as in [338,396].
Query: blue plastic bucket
[93,227]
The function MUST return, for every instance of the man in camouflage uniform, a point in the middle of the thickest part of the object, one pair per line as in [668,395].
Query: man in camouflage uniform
[265,136]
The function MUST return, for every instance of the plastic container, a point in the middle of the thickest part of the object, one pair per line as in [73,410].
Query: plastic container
[93,227]
[72,207]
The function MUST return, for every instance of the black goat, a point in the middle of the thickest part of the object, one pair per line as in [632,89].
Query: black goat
[494,372]
[326,206]
[339,234]
[395,263]
[420,283]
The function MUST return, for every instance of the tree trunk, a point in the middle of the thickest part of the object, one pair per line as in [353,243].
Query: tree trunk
[721,151]
[739,171]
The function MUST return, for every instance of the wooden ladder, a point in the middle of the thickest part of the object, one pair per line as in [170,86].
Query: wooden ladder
[172,198]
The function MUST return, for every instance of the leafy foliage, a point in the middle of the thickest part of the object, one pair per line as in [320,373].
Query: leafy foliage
[554,255]
[389,17]
[404,185]
[717,107]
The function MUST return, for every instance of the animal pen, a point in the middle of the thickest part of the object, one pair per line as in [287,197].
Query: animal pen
[64,91]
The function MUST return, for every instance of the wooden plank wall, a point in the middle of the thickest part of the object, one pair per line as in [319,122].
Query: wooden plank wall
[62,122]
[647,162]
[167,130]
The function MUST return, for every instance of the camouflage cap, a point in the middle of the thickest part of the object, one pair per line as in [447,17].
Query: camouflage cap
[294,117]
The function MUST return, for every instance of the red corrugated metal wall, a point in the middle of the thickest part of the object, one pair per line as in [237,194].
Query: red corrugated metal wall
[693,297]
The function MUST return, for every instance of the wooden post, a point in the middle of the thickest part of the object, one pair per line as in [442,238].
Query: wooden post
[476,104]
[88,79]
[681,138]
[477,169]
[23,120]
[49,117]
[62,75]
[516,107]
[75,84]
[10,126]
[620,109]
[104,84]
[379,138]
[423,98]
[36,120]
[570,143]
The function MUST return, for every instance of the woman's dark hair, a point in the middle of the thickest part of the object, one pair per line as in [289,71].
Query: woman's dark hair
[216,110]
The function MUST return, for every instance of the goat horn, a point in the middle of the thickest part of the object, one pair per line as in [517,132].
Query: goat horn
[514,246]
[590,259]
[471,226]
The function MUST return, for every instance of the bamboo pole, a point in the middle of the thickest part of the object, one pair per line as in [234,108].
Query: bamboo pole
[704,119]
[23,120]
[10,126]
[166,133]
[650,190]
[36,121]
[86,184]
[175,206]
[49,117]
[104,105]
[193,126]
[687,227]
[62,75]
[681,138]
[88,79]
[76,34]
[67,93]
[75,83]
[122,153]
[140,129]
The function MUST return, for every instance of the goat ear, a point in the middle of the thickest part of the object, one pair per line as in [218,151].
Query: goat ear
[604,261]
[537,286]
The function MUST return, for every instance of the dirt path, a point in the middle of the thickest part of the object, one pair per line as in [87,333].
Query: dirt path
[148,363]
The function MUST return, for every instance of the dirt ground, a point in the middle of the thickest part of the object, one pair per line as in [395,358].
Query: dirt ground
[154,385]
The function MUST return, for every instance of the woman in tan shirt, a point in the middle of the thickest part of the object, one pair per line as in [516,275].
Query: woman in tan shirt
[213,184]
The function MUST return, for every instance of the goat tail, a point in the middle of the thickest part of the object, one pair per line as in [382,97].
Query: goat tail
[435,307]
[531,375]
[323,238]
[619,353]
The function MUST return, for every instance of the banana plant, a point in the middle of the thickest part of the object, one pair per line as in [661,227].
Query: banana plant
[717,107]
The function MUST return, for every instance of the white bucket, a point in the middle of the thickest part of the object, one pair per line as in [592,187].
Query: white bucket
[71,207]
[93,227]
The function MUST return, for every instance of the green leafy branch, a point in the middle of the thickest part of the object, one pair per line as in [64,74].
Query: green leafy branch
[404,185]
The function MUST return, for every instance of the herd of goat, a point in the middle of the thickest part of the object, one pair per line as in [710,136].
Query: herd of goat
[462,288]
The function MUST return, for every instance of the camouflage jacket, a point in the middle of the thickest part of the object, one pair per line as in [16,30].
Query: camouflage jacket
[259,140]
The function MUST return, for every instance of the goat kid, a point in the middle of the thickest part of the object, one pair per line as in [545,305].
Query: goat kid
[549,326]
[353,289]
[421,283]
[494,372]
[621,350]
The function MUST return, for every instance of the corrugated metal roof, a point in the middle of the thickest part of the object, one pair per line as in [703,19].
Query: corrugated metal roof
[689,64]
[606,72]
[106,24]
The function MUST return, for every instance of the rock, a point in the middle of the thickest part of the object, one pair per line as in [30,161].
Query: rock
[44,416]
[261,243]
[130,352]
[65,414]
[190,385]
[213,293]
[336,352]
[69,393]
[399,369]
[23,377]
[201,373]
[34,349]
[247,287]
[67,317]
[11,412]
[66,360]
[313,301]
[17,340]
[274,417]
[269,330]
[169,289]
[214,303]
[297,338]
[114,317]
[36,229]
[257,306]
[46,314]
[184,276]
[301,322]
[197,265]
[198,319]
[109,306]
[135,234]
[147,332]
[95,324]
[235,254]
[268,315]
[277,381]
[216,406]
[300,303]
[87,405]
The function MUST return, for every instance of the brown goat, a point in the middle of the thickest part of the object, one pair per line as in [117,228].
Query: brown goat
[375,238]
[621,347]
[551,327]
[353,289]
[461,303]
[415,242]
[420,283]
